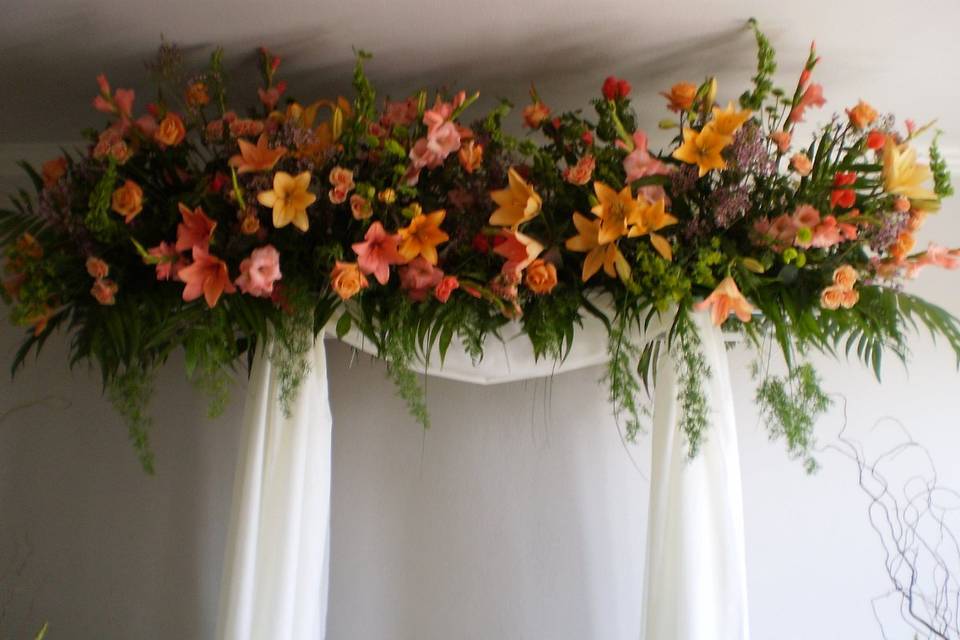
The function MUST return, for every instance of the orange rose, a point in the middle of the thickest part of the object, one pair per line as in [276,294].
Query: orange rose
[681,95]
[832,297]
[901,204]
[53,170]
[347,280]
[128,200]
[916,220]
[541,277]
[862,115]
[801,163]
[845,277]
[197,95]
[171,131]
[903,245]
[97,268]
[104,291]
[534,114]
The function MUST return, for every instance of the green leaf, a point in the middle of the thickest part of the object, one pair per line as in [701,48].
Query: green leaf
[344,324]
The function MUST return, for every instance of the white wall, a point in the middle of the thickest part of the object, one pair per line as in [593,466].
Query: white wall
[520,514]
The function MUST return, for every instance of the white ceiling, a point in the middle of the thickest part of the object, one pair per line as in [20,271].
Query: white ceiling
[900,56]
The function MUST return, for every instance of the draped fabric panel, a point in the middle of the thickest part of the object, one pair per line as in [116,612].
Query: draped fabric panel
[696,574]
[275,578]
[275,574]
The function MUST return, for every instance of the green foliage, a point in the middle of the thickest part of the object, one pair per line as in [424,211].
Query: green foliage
[550,322]
[692,372]
[790,406]
[98,220]
[293,338]
[130,391]
[766,67]
[620,377]
[942,184]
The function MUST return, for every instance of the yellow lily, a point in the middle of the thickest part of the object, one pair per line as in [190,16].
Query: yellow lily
[289,199]
[902,175]
[613,209]
[728,121]
[703,148]
[518,203]
[650,218]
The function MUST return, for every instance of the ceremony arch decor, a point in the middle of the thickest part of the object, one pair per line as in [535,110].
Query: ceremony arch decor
[412,229]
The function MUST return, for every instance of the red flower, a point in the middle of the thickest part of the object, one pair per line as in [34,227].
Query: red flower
[843,197]
[480,243]
[587,138]
[876,140]
[615,88]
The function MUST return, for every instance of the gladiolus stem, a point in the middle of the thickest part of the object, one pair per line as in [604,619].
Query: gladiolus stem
[621,130]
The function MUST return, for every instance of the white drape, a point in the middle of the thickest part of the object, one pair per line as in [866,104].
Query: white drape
[276,569]
[696,574]
[275,573]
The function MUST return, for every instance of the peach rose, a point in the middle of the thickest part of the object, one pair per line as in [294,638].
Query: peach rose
[801,164]
[445,287]
[581,172]
[541,276]
[849,298]
[342,181]
[128,201]
[680,97]
[901,204]
[845,277]
[104,291]
[347,279]
[171,131]
[245,128]
[97,268]
[53,170]
[360,207]
[197,95]
[782,140]
[832,297]
[862,115]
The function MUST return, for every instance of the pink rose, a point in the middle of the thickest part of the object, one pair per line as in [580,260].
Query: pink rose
[419,277]
[445,287]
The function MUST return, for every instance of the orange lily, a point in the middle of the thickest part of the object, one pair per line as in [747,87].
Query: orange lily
[649,218]
[728,121]
[518,203]
[703,148]
[614,209]
[724,300]
[599,254]
[256,157]
[422,235]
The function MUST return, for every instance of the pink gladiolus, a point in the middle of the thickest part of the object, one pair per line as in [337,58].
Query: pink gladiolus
[259,272]
[639,163]
[418,278]
[378,252]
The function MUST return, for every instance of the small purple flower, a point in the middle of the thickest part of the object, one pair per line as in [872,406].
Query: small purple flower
[683,180]
[729,204]
[894,223]
[748,153]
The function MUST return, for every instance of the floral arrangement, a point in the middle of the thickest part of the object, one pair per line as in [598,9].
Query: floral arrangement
[194,225]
